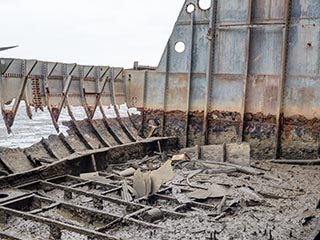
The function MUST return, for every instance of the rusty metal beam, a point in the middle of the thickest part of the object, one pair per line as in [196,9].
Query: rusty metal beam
[89,194]
[189,78]
[104,79]
[90,110]
[283,76]
[52,152]
[57,224]
[142,109]
[246,71]
[55,111]
[77,130]
[9,115]
[104,142]
[107,125]
[113,102]
[145,87]
[66,143]
[166,90]
[210,68]
[83,90]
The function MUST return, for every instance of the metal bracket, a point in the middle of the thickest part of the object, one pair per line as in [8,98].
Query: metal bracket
[90,110]
[55,111]
[9,115]
[113,102]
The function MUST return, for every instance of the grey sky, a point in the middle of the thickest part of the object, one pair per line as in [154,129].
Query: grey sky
[98,32]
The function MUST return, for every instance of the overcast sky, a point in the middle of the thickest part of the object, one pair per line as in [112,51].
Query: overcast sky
[97,32]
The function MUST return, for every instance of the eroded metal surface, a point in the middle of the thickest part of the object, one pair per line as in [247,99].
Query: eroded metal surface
[247,70]
[257,85]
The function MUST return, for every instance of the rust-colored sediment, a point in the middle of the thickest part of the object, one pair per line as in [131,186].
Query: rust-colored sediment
[300,137]
[195,128]
[223,127]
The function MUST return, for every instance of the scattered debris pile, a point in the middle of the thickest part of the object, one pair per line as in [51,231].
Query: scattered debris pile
[199,193]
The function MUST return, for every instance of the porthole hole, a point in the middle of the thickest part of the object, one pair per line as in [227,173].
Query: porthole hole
[204,4]
[191,8]
[180,47]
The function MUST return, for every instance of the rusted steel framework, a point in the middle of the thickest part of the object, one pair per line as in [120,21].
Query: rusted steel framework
[98,205]
[247,70]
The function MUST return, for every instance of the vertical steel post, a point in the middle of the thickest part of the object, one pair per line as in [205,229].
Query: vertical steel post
[283,76]
[145,87]
[189,77]
[165,94]
[210,67]
[246,70]
[9,115]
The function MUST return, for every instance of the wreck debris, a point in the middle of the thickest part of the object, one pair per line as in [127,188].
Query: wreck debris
[243,169]
[128,172]
[126,196]
[211,191]
[150,182]
[180,157]
[152,215]
[162,175]
[242,203]
[142,183]
[191,175]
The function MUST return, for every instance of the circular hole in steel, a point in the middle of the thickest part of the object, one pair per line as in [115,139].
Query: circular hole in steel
[204,4]
[2,195]
[180,47]
[191,8]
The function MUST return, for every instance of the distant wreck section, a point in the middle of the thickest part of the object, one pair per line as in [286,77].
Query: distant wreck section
[236,70]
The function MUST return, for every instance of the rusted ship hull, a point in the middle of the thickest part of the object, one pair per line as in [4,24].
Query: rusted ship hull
[248,71]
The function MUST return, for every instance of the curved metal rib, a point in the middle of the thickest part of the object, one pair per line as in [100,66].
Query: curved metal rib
[113,102]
